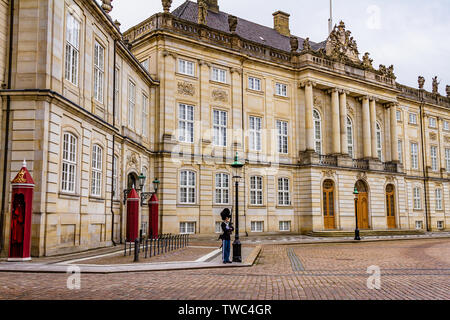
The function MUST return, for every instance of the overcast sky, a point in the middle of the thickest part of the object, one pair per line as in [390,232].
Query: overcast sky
[413,35]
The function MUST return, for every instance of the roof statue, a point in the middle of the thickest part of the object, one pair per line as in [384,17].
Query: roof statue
[166,5]
[232,23]
[341,46]
[421,82]
[367,62]
[306,45]
[202,12]
[436,85]
[294,43]
[447,90]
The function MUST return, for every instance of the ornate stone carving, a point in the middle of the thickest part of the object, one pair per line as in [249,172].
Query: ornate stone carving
[317,102]
[166,5]
[433,136]
[341,45]
[186,88]
[350,109]
[447,139]
[390,179]
[447,90]
[387,72]
[106,5]
[232,23]
[361,176]
[329,173]
[132,160]
[202,11]
[220,95]
[294,44]
[421,82]
[306,45]
[435,85]
[367,62]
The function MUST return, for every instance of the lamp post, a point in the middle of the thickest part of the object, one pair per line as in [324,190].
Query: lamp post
[237,167]
[356,214]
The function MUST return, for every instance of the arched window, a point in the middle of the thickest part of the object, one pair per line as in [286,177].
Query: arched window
[379,143]
[96,182]
[317,131]
[350,137]
[69,163]
[187,187]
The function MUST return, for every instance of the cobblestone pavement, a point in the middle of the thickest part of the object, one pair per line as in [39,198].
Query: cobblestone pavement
[413,269]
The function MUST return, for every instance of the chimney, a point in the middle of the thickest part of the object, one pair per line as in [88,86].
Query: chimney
[281,23]
[213,6]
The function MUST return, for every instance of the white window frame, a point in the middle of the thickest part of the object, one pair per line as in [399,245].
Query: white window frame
[447,159]
[440,225]
[96,170]
[186,118]
[282,226]
[145,102]
[413,118]
[417,198]
[284,192]
[257,226]
[187,227]
[438,194]
[432,122]
[188,187]
[379,139]
[419,225]
[446,125]
[414,156]
[72,57]
[283,132]
[99,71]
[255,125]
[131,103]
[69,163]
[433,155]
[222,188]
[398,115]
[254,83]
[256,191]
[281,89]
[219,75]
[186,67]
[350,140]
[317,131]
[146,64]
[220,123]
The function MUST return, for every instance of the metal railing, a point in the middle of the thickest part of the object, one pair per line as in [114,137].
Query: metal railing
[156,245]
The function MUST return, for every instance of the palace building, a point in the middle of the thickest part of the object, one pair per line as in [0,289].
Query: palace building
[175,97]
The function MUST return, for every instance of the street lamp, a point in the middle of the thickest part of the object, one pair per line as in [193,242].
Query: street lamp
[156,183]
[146,195]
[237,167]
[142,179]
[356,214]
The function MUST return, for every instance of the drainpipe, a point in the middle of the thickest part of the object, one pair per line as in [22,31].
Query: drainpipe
[244,209]
[425,171]
[8,111]
[113,146]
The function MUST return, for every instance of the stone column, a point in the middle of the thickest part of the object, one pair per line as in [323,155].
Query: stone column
[343,115]
[309,122]
[336,125]
[366,128]
[394,136]
[373,127]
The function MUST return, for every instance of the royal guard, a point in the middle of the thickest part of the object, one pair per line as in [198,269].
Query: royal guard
[21,212]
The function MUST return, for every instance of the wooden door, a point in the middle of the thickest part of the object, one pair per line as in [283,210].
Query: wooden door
[328,205]
[363,210]
[390,206]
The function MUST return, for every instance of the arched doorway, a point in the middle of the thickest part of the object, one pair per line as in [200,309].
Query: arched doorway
[363,205]
[328,205]
[132,180]
[390,206]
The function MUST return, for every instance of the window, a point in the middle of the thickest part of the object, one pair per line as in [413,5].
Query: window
[254,83]
[72,49]
[219,75]
[398,115]
[446,126]
[255,134]
[187,227]
[145,64]
[281,90]
[440,225]
[438,193]
[186,67]
[432,122]
[99,71]
[116,93]
[256,191]
[400,151]
[419,225]
[222,188]
[257,226]
[220,128]
[447,159]
[434,165]
[187,187]
[96,182]
[69,164]
[350,137]
[218,227]
[413,118]
[417,199]
[285,226]
[317,131]
[186,123]
[282,128]
[283,192]
[379,142]
[131,103]
[144,115]
[115,177]
[414,156]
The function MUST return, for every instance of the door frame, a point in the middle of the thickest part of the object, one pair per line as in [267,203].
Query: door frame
[323,204]
[367,191]
[394,194]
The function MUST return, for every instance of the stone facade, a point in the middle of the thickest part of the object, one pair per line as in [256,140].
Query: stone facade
[193,75]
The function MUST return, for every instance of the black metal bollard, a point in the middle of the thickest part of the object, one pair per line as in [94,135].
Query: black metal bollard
[140,236]
[146,247]
[178,242]
[136,250]
[129,249]
[125,251]
[159,240]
